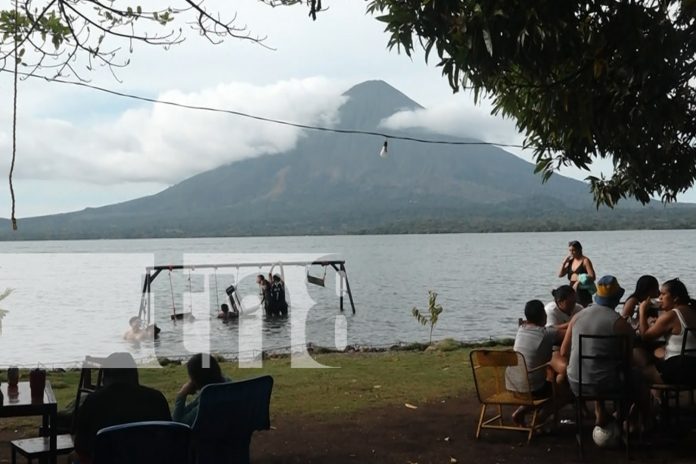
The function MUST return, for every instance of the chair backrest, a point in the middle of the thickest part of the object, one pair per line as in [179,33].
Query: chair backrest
[497,371]
[606,357]
[87,384]
[689,349]
[228,414]
[153,442]
[687,370]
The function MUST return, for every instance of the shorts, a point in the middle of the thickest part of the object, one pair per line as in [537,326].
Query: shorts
[612,386]
[543,392]
[677,369]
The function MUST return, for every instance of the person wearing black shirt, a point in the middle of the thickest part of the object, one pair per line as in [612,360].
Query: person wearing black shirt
[279,307]
[121,400]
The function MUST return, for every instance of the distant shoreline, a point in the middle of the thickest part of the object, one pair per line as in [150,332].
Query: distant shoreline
[7,237]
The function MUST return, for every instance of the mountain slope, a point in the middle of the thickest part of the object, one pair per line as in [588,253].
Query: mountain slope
[337,183]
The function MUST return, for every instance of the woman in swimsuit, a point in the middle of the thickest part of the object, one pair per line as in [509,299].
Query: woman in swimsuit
[575,264]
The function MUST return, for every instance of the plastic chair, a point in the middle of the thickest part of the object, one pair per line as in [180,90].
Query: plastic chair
[154,442]
[685,383]
[489,369]
[228,415]
[615,354]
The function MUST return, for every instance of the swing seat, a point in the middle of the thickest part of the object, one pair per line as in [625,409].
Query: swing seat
[316,280]
[182,317]
[320,281]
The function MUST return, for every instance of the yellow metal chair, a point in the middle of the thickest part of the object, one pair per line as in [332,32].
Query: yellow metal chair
[490,368]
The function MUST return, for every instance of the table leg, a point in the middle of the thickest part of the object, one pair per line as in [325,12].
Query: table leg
[52,437]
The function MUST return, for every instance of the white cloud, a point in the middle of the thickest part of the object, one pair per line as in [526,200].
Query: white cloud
[95,141]
[462,118]
[164,144]
[458,117]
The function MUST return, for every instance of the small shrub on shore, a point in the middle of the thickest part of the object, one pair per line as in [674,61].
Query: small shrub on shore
[434,311]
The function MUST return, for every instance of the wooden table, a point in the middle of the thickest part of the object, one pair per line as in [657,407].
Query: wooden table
[19,403]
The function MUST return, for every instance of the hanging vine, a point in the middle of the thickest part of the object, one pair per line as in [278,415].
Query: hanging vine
[14,115]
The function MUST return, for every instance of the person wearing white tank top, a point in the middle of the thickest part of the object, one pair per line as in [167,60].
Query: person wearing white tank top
[678,313]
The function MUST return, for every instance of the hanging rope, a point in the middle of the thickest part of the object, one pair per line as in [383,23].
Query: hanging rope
[217,301]
[14,115]
[190,292]
[171,288]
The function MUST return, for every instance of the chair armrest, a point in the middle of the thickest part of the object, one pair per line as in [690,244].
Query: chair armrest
[541,366]
[550,372]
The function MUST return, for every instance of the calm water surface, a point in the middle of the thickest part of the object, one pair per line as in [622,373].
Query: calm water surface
[73,298]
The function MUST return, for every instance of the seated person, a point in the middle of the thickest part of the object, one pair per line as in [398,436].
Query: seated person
[120,401]
[563,307]
[535,342]
[598,319]
[647,288]
[203,370]
[678,312]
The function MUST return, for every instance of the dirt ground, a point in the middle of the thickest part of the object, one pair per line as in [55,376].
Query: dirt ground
[437,432]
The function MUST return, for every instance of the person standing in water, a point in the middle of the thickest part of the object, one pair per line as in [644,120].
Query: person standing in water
[279,306]
[574,265]
[264,293]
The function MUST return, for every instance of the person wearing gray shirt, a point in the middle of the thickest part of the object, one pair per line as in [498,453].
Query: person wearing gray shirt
[598,319]
[563,307]
[535,342]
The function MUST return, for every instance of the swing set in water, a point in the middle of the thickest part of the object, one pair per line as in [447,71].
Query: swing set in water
[152,272]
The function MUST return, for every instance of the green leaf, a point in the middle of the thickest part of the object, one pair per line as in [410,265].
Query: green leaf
[487,41]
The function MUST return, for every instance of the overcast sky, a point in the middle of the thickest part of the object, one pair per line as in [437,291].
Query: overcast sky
[78,147]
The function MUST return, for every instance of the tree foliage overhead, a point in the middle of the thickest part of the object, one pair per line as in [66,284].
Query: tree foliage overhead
[583,79]
[69,37]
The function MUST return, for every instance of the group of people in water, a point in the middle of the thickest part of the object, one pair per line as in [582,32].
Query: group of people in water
[272,300]
[653,319]
[271,295]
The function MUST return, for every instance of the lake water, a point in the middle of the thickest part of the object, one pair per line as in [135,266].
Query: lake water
[73,298]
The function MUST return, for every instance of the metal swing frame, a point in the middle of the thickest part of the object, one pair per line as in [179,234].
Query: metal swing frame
[152,272]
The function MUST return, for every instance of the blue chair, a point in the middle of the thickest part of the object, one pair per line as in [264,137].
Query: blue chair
[154,442]
[228,414]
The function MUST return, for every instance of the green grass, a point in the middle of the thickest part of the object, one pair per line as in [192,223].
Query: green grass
[356,381]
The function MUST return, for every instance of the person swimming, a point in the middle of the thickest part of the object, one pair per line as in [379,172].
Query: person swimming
[225,314]
[136,332]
